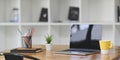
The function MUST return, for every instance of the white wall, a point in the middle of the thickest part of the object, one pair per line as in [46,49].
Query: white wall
[65,35]
[54,9]
[37,5]
[12,38]
[9,38]
[107,33]
[117,35]
[84,11]
[10,4]
[60,9]
[61,34]
[55,32]
[26,15]
[2,10]
[64,7]
[2,38]
[39,33]
[100,11]
[31,9]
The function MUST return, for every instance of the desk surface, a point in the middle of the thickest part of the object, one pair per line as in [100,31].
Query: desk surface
[50,55]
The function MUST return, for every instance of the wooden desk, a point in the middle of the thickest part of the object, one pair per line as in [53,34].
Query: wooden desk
[50,55]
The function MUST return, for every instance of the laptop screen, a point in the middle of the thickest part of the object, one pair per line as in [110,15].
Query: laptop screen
[85,36]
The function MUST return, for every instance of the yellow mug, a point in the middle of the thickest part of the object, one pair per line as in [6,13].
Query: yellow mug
[105,44]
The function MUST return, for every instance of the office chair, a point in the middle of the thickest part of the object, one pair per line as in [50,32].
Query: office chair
[12,56]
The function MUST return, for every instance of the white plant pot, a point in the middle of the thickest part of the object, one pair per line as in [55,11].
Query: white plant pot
[48,46]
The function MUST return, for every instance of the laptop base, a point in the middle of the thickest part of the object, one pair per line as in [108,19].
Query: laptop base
[78,52]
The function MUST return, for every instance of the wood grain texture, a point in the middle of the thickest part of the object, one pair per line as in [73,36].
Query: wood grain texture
[51,55]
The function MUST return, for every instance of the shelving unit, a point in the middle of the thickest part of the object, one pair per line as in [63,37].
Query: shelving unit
[31,10]
[60,10]
[117,24]
[6,7]
[99,12]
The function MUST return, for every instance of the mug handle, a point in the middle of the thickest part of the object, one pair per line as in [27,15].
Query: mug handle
[111,45]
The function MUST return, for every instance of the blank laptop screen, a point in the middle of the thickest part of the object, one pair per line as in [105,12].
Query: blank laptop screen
[85,36]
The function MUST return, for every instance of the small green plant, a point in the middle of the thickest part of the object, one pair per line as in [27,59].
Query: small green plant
[48,39]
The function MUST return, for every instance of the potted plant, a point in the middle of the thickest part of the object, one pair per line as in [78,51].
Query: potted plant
[48,40]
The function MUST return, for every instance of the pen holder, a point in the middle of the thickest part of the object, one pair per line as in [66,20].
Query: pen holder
[27,41]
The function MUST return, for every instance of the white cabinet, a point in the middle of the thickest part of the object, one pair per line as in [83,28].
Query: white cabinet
[102,12]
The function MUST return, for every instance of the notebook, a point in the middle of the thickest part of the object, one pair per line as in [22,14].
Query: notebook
[26,50]
[84,39]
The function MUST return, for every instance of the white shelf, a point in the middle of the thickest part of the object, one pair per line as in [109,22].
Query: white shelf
[9,24]
[98,12]
[117,23]
[34,24]
[61,24]
[82,23]
[98,23]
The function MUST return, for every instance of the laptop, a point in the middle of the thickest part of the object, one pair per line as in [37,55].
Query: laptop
[84,39]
